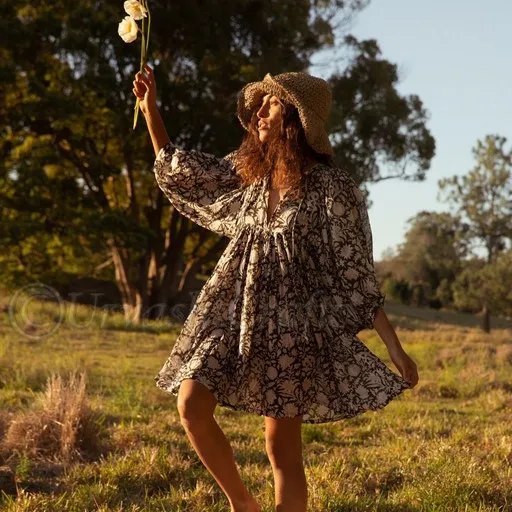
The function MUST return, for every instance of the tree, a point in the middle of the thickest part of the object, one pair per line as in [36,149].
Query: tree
[75,176]
[486,285]
[431,254]
[483,198]
[372,123]
[397,289]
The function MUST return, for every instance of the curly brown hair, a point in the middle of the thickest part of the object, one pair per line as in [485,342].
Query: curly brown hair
[284,158]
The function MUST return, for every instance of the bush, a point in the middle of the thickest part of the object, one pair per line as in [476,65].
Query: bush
[60,425]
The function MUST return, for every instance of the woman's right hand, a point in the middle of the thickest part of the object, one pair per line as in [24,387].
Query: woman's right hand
[405,365]
[144,88]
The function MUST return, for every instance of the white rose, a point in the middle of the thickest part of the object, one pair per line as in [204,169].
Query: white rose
[135,9]
[128,29]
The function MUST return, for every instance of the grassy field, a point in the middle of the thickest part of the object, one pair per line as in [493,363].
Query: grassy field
[111,440]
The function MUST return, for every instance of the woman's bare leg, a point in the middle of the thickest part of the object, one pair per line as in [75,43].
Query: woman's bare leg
[283,442]
[196,404]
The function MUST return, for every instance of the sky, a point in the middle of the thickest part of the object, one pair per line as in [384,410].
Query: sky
[457,57]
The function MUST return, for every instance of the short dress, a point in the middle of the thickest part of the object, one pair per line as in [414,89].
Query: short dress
[273,330]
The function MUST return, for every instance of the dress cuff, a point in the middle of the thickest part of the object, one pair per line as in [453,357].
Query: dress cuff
[169,147]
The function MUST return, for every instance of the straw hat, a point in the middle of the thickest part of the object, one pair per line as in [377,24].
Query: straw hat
[311,95]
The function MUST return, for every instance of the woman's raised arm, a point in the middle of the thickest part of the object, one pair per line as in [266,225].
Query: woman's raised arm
[157,130]
[144,87]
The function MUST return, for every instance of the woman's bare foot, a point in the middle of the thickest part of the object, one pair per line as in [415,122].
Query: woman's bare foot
[253,505]
[250,506]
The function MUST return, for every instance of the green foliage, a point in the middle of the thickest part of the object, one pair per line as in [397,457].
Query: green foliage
[444,292]
[397,290]
[438,264]
[372,123]
[76,182]
[432,252]
[482,197]
[23,467]
[481,284]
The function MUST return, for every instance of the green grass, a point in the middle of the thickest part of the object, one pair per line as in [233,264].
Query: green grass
[446,445]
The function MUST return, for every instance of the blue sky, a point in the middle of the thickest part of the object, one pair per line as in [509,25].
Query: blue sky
[456,56]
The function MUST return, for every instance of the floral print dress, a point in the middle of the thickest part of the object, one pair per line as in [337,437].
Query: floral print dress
[273,330]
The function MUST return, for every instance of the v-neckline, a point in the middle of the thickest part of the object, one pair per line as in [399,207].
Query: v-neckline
[266,197]
[268,221]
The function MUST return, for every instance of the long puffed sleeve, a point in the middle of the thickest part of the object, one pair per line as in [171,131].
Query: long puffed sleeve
[349,237]
[201,186]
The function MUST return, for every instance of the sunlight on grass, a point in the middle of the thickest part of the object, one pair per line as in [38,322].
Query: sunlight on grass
[444,446]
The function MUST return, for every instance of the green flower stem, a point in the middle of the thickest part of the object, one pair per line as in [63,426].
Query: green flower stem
[143,55]
[149,24]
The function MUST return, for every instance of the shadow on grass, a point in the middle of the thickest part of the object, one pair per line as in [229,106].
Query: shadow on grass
[144,328]
[413,318]
[360,507]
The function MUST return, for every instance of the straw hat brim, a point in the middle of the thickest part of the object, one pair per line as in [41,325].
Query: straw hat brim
[314,126]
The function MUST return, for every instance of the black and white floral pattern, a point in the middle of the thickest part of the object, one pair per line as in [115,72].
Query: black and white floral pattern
[273,330]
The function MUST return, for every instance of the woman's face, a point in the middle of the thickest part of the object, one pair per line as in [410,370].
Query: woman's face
[269,117]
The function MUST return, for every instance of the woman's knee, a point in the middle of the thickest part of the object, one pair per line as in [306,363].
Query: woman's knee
[195,402]
[283,440]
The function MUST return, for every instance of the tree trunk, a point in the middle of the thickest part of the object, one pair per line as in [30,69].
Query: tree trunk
[486,319]
[148,287]
[171,263]
[131,298]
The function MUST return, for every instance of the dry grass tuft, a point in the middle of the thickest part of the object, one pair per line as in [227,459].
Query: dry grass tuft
[60,425]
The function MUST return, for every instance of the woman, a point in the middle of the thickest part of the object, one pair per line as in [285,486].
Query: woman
[273,330]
